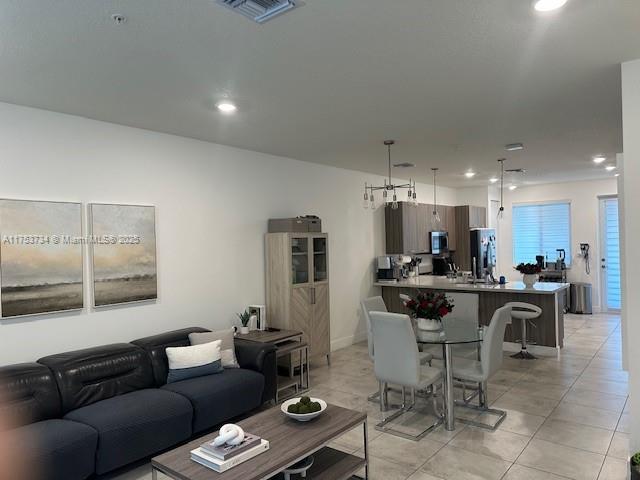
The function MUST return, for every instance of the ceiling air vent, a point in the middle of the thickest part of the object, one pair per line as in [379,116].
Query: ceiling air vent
[259,10]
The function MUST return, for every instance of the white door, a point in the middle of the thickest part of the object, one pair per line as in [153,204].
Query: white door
[610,254]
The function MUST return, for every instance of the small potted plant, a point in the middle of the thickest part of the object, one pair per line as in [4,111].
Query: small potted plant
[635,466]
[428,308]
[529,273]
[244,321]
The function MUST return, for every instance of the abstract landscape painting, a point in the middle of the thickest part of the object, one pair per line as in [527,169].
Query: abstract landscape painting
[124,253]
[40,263]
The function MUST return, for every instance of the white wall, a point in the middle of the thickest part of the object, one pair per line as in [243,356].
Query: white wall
[212,205]
[476,196]
[584,225]
[631,232]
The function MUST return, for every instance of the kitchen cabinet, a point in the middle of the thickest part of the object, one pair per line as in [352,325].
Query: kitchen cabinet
[466,218]
[298,287]
[407,228]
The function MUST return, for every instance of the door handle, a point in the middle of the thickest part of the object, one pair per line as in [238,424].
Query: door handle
[313,296]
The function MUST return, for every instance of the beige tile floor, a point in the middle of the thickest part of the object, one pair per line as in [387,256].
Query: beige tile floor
[566,416]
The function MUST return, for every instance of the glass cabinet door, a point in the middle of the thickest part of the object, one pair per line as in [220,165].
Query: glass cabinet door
[299,260]
[319,259]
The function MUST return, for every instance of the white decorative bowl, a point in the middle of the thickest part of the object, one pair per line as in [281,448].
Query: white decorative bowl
[303,417]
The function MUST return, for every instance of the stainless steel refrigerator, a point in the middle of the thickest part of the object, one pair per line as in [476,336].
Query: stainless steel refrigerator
[483,249]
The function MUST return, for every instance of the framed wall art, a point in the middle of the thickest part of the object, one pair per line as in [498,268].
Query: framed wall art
[123,239]
[41,254]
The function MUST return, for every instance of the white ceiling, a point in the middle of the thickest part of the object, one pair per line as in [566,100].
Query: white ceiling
[451,80]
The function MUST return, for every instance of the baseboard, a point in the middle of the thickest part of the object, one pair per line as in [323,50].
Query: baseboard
[344,342]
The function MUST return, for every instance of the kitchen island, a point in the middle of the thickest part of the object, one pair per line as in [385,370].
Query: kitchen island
[549,329]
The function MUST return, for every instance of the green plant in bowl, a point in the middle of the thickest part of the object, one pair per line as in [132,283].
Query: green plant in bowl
[304,406]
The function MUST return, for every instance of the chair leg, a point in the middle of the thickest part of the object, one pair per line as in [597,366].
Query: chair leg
[384,426]
[483,407]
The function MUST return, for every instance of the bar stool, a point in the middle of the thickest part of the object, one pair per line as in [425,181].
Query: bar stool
[526,312]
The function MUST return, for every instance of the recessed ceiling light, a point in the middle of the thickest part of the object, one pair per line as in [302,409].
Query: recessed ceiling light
[470,174]
[548,5]
[493,179]
[512,187]
[514,147]
[599,159]
[617,175]
[610,168]
[226,107]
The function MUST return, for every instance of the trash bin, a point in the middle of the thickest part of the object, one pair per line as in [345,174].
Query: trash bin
[581,298]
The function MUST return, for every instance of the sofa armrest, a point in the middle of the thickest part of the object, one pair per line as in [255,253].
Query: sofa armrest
[260,357]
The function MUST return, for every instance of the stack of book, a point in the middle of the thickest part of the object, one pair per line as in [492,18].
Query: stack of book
[221,459]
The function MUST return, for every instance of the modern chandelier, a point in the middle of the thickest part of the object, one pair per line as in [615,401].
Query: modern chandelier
[389,190]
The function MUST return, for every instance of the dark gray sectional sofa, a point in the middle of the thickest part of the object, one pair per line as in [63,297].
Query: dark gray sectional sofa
[88,412]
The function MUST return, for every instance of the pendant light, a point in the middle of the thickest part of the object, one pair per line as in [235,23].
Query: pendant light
[435,217]
[389,189]
[501,210]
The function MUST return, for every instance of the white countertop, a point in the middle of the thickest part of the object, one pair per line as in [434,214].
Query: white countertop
[443,283]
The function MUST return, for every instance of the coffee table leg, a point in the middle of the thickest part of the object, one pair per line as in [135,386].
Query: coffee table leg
[366,452]
[154,473]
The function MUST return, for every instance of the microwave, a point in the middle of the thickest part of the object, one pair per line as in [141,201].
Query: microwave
[439,242]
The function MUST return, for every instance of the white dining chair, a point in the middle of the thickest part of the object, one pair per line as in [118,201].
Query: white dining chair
[478,372]
[376,304]
[397,361]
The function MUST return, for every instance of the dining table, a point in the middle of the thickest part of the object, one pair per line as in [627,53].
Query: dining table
[451,333]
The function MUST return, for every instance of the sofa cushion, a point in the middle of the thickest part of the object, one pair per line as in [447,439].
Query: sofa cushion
[227,347]
[193,361]
[29,394]
[221,397]
[156,348]
[93,374]
[56,449]
[135,425]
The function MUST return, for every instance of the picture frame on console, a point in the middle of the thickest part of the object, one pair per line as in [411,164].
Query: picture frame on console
[123,253]
[41,257]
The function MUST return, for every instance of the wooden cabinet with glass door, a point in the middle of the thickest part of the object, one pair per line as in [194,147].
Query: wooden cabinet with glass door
[298,287]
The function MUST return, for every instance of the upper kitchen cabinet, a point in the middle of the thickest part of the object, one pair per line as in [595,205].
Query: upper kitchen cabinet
[477,217]
[466,218]
[407,228]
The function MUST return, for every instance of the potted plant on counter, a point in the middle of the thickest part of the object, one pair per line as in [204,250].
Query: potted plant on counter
[529,273]
[635,466]
[428,308]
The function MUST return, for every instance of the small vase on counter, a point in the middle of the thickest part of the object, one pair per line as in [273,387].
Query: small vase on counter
[529,273]
[529,280]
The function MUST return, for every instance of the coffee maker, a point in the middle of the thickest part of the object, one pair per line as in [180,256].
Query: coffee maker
[385,267]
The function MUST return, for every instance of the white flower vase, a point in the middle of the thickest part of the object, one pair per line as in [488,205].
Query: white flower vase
[529,279]
[429,330]
[429,325]
[244,330]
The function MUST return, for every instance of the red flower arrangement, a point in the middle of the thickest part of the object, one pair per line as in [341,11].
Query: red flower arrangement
[528,268]
[430,305]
